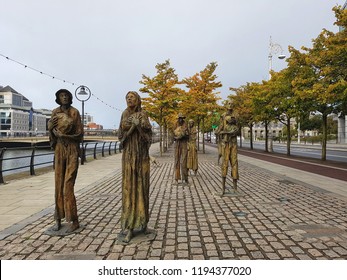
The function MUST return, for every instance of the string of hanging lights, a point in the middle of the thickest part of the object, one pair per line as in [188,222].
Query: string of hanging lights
[54,77]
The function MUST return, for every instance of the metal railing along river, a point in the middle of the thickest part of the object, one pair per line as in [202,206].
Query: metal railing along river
[24,159]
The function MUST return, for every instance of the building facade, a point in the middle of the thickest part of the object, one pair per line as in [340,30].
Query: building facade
[88,118]
[17,116]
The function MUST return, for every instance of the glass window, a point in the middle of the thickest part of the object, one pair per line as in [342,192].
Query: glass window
[16,100]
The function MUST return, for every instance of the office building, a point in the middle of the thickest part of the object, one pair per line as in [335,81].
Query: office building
[17,116]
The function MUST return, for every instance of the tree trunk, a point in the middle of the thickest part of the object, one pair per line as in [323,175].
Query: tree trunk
[161,139]
[251,135]
[203,135]
[266,137]
[199,135]
[288,137]
[165,138]
[325,137]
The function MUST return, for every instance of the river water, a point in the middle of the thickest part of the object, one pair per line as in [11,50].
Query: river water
[19,160]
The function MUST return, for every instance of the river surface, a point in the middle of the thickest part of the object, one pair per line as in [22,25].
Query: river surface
[15,161]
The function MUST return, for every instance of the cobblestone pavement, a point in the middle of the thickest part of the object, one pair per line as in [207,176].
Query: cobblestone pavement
[274,218]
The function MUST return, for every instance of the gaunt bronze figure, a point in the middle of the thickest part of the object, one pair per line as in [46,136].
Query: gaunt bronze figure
[66,132]
[135,134]
[227,132]
[181,137]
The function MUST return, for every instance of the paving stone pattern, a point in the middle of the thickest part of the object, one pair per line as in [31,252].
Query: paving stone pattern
[280,219]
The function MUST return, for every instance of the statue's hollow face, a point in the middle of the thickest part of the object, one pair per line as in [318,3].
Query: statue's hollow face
[230,120]
[64,98]
[191,123]
[131,100]
[229,105]
[180,121]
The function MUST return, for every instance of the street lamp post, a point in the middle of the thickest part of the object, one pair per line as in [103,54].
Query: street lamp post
[82,94]
[274,48]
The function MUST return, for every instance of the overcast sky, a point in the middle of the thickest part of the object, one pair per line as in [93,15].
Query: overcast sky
[108,44]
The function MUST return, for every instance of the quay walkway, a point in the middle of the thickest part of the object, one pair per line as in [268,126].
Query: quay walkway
[282,213]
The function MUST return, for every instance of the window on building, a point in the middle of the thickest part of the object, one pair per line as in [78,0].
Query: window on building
[16,100]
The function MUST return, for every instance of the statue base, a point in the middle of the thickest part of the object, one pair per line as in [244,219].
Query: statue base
[63,231]
[183,183]
[138,237]
[230,193]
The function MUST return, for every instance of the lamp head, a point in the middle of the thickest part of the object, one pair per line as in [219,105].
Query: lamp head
[82,91]
[282,56]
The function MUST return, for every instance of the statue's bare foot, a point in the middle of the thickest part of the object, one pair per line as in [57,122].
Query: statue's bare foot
[143,229]
[72,227]
[57,225]
[128,236]
[235,184]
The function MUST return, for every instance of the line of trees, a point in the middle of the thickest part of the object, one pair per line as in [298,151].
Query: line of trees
[167,97]
[315,80]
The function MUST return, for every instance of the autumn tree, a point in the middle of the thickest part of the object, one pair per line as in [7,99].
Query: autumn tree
[321,75]
[263,110]
[163,97]
[337,58]
[201,98]
[285,103]
[242,100]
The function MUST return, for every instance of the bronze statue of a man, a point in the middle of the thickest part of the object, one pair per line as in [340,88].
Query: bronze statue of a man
[227,133]
[135,133]
[220,144]
[192,161]
[66,132]
[181,137]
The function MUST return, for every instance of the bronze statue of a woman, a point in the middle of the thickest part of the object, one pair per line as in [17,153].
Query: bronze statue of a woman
[181,137]
[135,133]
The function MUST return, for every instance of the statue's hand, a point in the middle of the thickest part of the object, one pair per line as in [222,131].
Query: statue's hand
[57,133]
[53,122]
[135,121]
